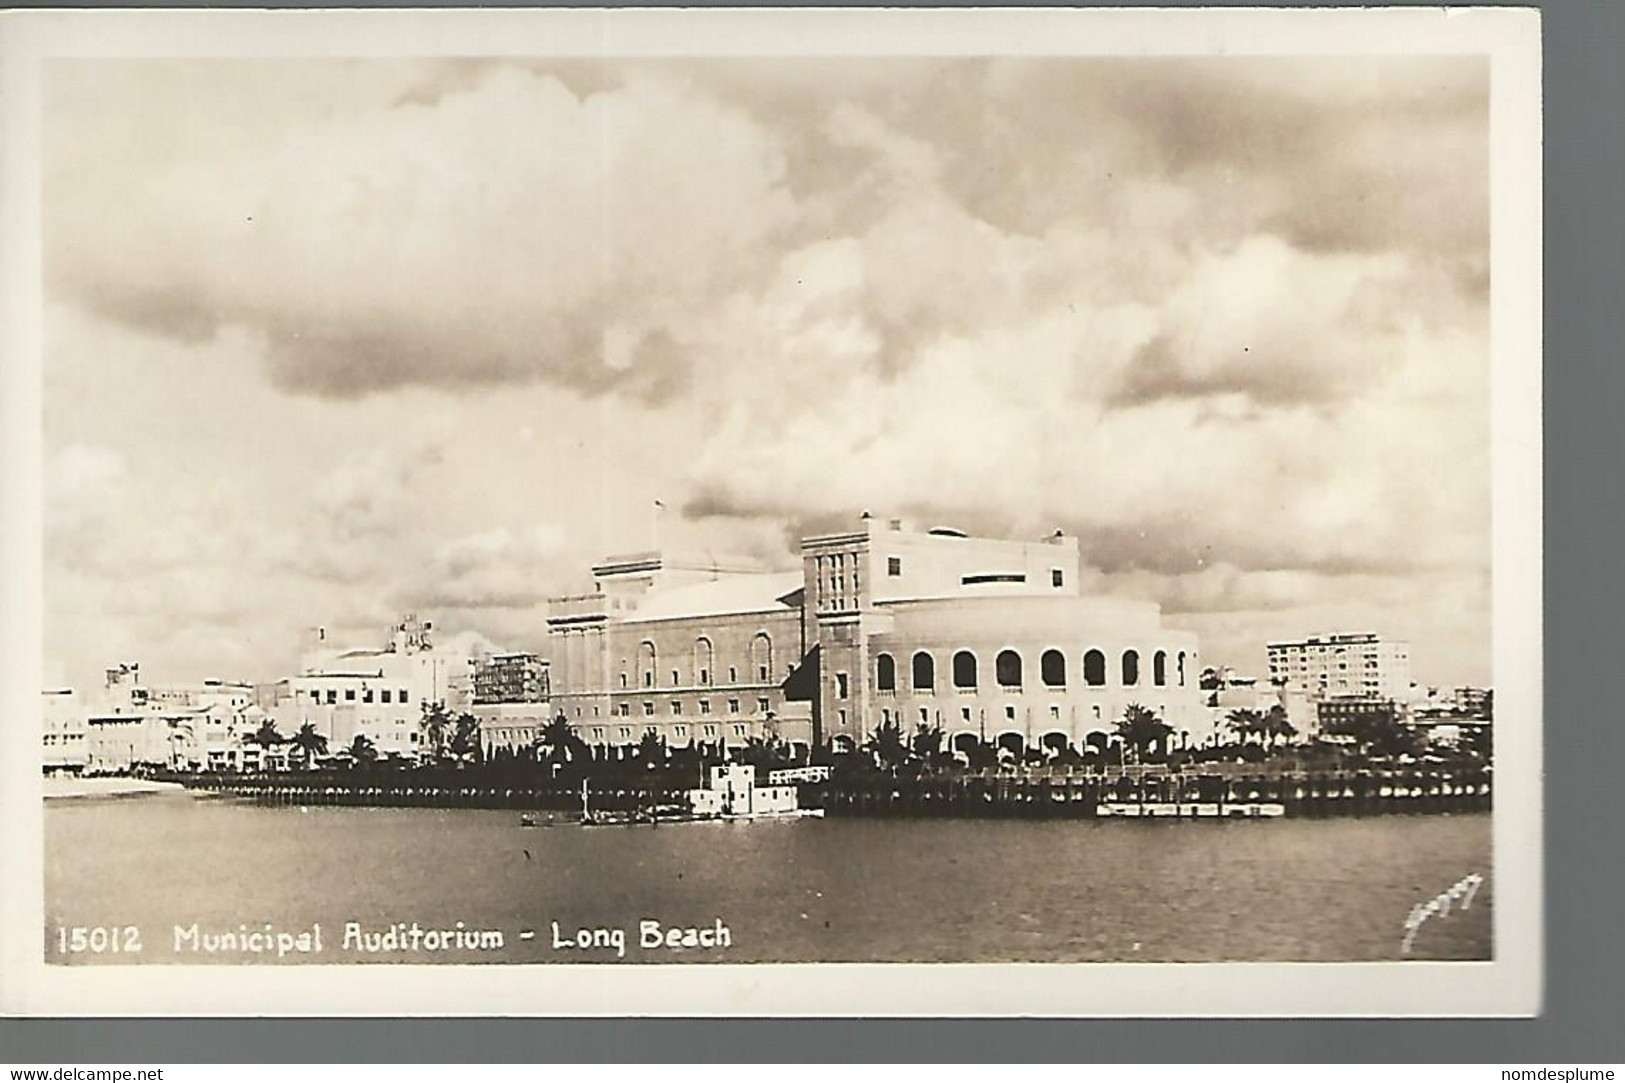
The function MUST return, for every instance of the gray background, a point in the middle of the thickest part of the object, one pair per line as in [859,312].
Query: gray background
[1585,327]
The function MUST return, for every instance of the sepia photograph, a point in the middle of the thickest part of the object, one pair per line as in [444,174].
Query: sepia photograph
[698,505]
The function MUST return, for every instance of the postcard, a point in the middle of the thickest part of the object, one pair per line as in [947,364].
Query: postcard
[705,512]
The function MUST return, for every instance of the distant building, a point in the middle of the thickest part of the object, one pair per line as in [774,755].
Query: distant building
[1476,703]
[1340,715]
[514,677]
[379,693]
[1341,664]
[66,744]
[985,640]
[132,724]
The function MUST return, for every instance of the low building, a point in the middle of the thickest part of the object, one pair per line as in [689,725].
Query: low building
[1345,715]
[66,743]
[379,693]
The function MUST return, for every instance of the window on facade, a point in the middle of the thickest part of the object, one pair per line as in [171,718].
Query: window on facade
[894,566]
[332,695]
[1181,669]
[623,680]
[1009,713]
[710,731]
[1052,667]
[1057,578]
[964,714]
[385,695]
[1094,669]
[366,695]
[676,706]
[1007,669]
[624,710]
[840,686]
[761,655]
[648,708]
[885,673]
[733,675]
[705,706]
[733,706]
[925,672]
[646,663]
[1131,668]
[761,706]
[964,670]
[1159,668]
[1054,712]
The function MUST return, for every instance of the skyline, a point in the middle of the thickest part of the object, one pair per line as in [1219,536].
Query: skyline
[337,340]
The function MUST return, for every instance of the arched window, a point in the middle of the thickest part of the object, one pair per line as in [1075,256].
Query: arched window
[704,661]
[1159,668]
[925,672]
[646,663]
[761,656]
[964,670]
[1131,668]
[1094,669]
[1007,668]
[885,673]
[1052,667]
[1182,669]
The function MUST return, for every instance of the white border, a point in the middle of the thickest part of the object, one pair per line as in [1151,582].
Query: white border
[1509,986]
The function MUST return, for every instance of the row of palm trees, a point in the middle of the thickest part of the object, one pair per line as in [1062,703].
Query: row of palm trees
[444,738]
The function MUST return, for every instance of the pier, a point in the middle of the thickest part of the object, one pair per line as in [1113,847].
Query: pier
[1050,796]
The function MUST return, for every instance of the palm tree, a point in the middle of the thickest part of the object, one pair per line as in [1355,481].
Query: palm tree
[1141,729]
[926,742]
[887,746]
[1245,722]
[651,749]
[309,744]
[435,724]
[267,738]
[560,738]
[465,741]
[1276,727]
[362,751]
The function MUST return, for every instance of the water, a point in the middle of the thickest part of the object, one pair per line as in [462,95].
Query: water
[850,890]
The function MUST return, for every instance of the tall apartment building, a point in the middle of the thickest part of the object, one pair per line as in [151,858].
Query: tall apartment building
[1342,664]
[512,677]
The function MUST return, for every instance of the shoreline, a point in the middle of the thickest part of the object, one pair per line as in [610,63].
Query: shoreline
[59,788]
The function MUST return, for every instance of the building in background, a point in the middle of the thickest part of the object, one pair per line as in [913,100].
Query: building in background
[511,677]
[985,640]
[380,693]
[66,749]
[1341,664]
[1343,716]
[511,700]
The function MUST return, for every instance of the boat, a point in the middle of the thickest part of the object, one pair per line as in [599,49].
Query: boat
[731,792]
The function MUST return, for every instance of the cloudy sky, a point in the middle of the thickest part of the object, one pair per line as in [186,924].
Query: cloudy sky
[331,340]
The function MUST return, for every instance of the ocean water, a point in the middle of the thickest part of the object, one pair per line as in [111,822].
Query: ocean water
[179,869]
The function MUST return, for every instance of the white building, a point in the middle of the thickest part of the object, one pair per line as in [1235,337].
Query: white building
[380,693]
[66,743]
[1342,664]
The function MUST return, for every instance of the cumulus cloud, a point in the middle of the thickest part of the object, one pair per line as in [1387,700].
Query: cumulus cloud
[1213,316]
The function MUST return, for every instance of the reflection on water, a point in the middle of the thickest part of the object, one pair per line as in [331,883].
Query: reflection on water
[808,890]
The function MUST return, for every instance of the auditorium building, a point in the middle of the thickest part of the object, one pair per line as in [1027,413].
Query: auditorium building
[987,640]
